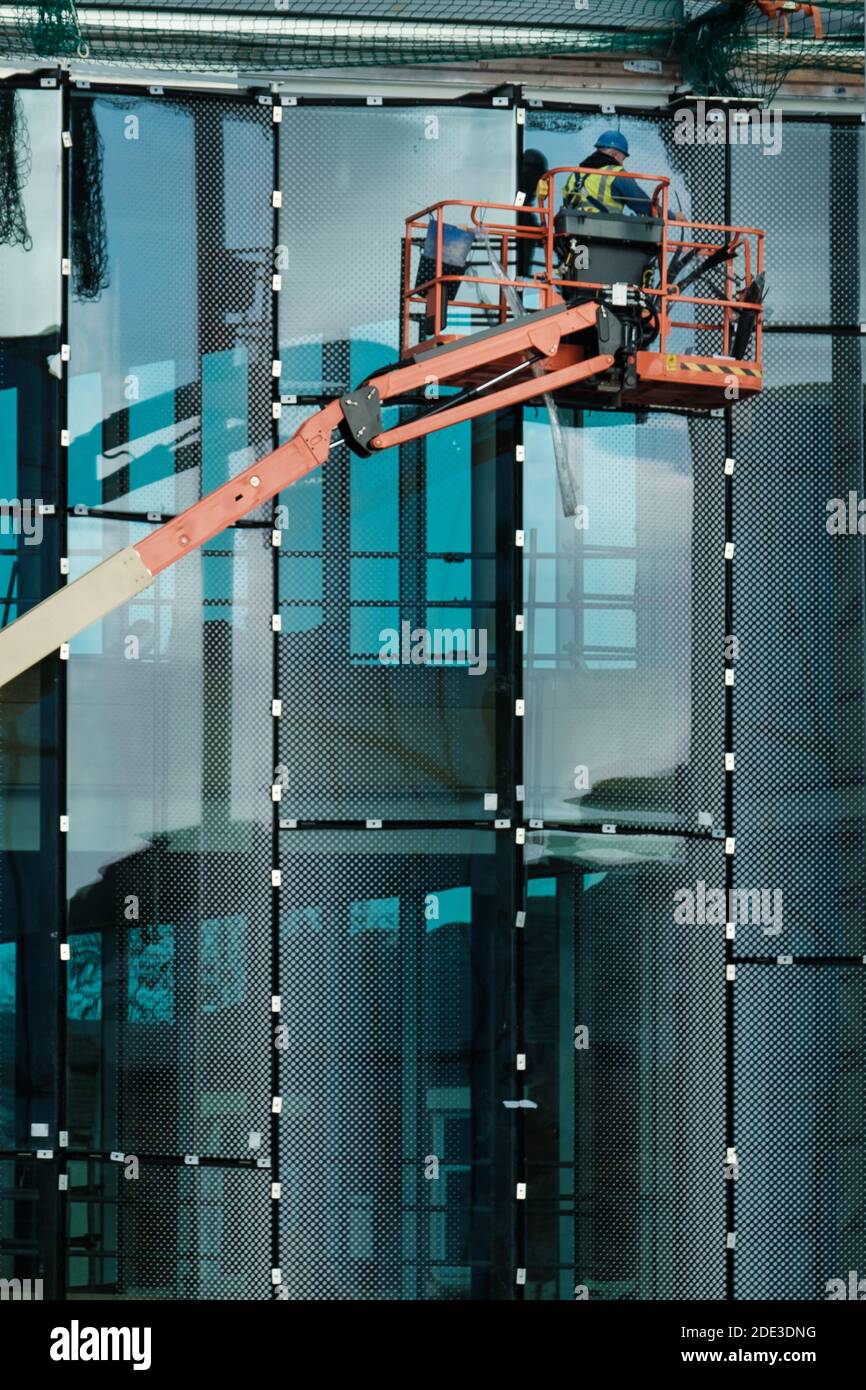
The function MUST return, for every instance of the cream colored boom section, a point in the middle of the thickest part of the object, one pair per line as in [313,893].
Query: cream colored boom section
[54,621]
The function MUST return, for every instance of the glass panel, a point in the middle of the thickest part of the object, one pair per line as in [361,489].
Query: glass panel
[395,1163]
[394,671]
[28,1015]
[169,853]
[29,448]
[29,552]
[696,172]
[800,1089]
[805,189]
[697,185]
[30,323]
[170,323]
[352,177]
[28,1240]
[799,614]
[168,1232]
[624,1027]
[624,622]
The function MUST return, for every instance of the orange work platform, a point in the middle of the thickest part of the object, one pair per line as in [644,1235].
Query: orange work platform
[694,304]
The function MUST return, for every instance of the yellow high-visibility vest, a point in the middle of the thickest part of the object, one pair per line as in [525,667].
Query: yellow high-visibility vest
[594,192]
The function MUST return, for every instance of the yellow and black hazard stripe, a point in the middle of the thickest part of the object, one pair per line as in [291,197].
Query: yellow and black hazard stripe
[688,364]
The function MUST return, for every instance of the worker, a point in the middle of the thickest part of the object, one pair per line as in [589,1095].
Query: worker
[607,191]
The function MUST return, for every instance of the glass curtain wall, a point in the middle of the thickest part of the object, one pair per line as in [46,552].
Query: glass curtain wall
[330,919]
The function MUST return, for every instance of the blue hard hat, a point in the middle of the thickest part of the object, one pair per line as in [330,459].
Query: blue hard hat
[612,140]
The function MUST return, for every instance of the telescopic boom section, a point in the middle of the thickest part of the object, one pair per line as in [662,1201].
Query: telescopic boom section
[507,352]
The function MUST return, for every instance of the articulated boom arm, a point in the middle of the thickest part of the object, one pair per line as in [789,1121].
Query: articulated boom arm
[511,350]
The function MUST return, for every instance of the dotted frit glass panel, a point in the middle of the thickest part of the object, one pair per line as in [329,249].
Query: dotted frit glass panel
[170,696]
[168,997]
[29,704]
[350,178]
[800,1095]
[394,650]
[169,854]
[394,1149]
[143,1229]
[29,449]
[813,223]
[799,621]
[697,184]
[29,895]
[28,1212]
[624,622]
[170,317]
[624,1030]
[696,171]
[30,320]
[29,552]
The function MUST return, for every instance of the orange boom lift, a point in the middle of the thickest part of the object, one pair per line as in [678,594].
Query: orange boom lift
[594,320]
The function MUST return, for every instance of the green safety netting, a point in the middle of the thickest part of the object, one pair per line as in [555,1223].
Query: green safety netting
[724,47]
[89,234]
[14,171]
[744,50]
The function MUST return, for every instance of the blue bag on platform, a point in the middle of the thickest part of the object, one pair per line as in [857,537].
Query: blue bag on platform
[456,243]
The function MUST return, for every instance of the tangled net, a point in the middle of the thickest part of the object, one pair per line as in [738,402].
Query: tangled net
[15,164]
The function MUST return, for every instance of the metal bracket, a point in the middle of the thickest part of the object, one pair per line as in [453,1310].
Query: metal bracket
[362,419]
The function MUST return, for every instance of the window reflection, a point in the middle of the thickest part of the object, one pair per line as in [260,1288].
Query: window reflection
[619,619]
[170,386]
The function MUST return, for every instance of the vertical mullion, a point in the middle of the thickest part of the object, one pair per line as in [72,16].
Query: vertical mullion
[516,685]
[62,682]
[730,946]
[276,127]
